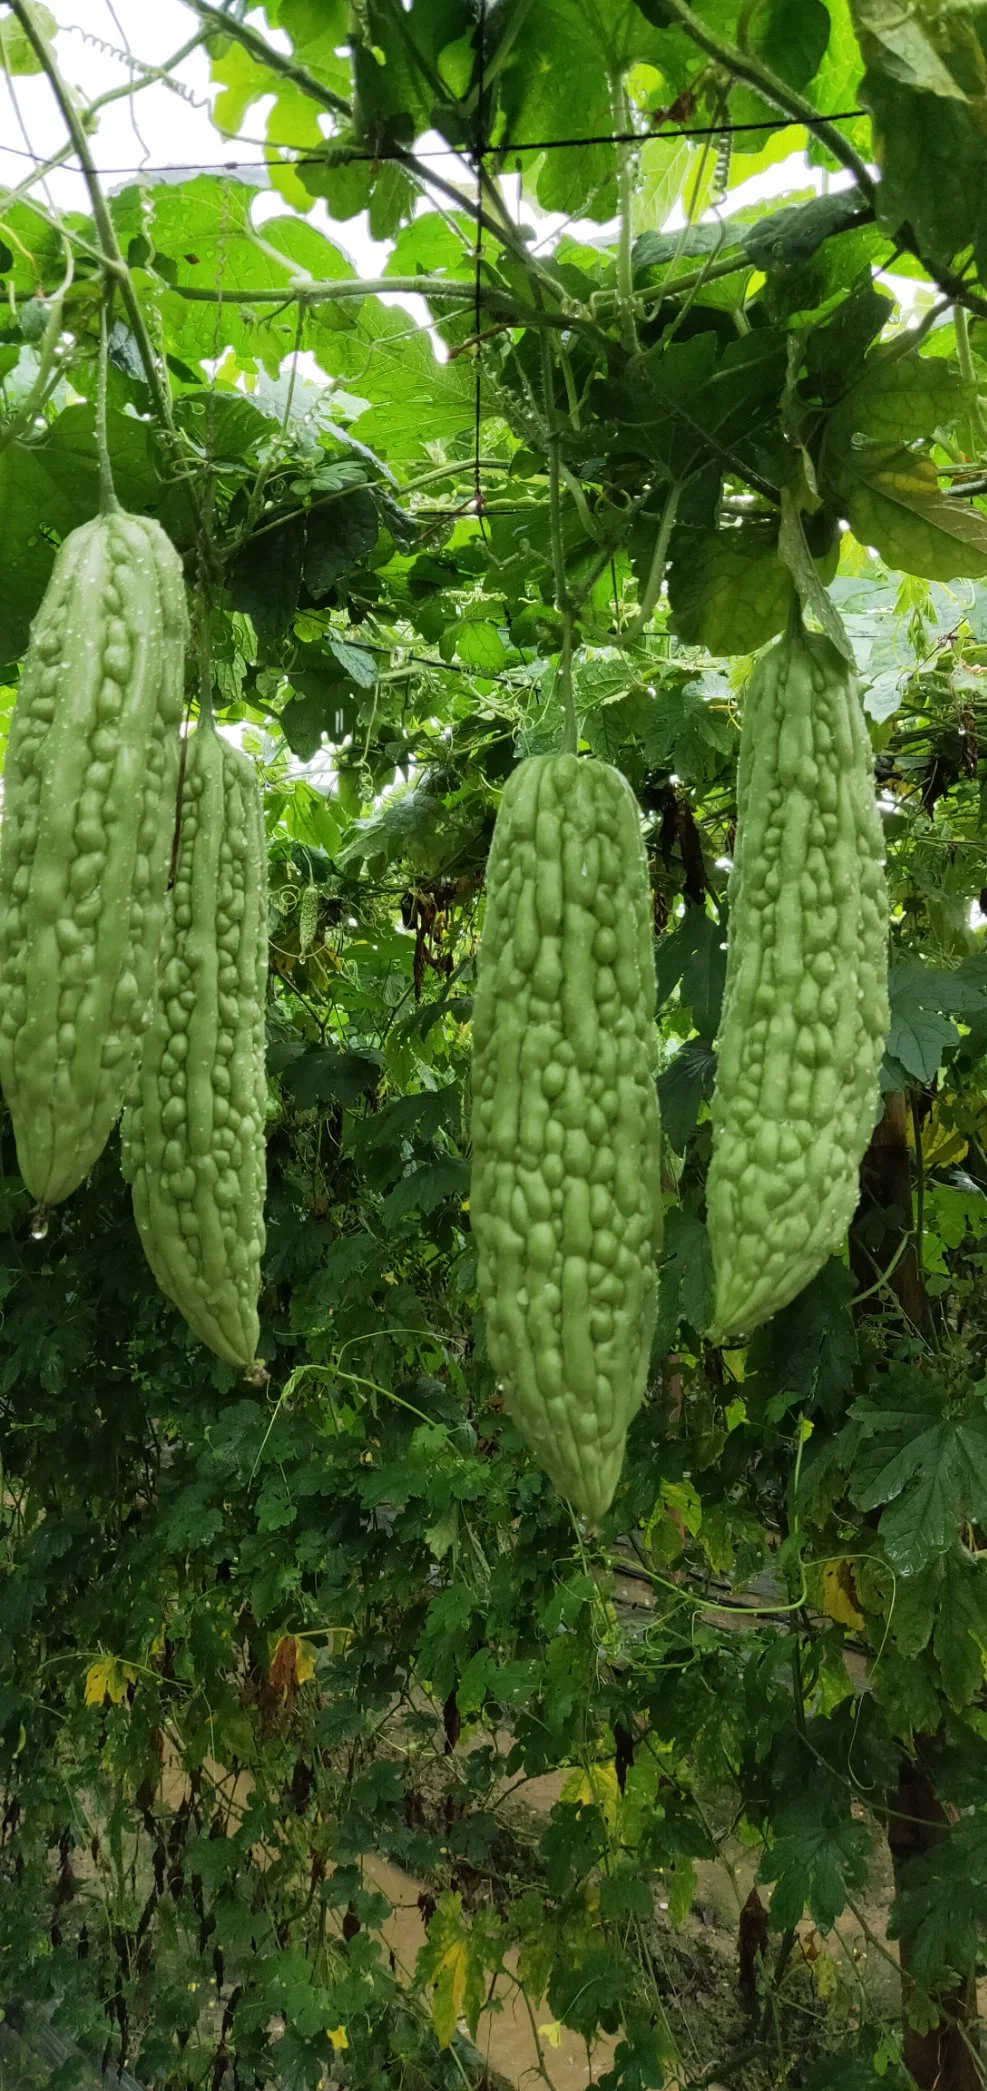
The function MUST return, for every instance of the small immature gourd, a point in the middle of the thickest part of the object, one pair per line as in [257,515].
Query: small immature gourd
[194,1128]
[805,1010]
[566,1194]
[89,811]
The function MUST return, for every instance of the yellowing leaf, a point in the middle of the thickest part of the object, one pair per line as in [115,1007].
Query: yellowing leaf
[291,1664]
[338,2036]
[449,1994]
[597,1785]
[108,1679]
[839,1594]
[942,1145]
[304,1662]
[455,1960]
[552,2033]
[826,1975]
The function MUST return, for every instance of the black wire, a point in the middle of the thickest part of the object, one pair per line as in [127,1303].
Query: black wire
[343,156]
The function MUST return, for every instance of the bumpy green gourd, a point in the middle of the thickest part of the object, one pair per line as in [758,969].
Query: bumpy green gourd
[565,1199]
[89,812]
[193,1130]
[805,1011]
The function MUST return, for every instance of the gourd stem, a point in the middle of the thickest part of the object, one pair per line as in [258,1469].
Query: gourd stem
[108,502]
[570,739]
[205,662]
[563,603]
[652,587]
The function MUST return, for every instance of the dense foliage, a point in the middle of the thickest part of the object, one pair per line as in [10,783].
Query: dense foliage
[253,1639]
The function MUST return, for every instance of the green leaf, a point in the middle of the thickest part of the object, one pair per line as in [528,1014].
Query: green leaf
[624,1894]
[337,537]
[479,645]
[930,1472]
[17,55]
[789,238]
[423,1189]
[816,1864]
[434,245]
[321,1074]
[690,403]
[942,1908]
[419,1117]
[867,2072]
[591,1990]
[893,37]
[265,579]
[414,400]
[918,1035]
[686,1084]
[835,349]
[809,1350]
[694,959]
[728,590]
[357,665]
[960,1639]
[685,1291]
[562,58]
[899,399]
[922,84]
[894,503]
[792,41]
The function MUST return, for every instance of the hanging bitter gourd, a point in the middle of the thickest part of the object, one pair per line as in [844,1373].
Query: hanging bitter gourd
[805,1010]
[89,812]
[193,1131]
[565,1198]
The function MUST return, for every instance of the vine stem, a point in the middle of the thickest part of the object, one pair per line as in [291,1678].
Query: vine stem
[107,491]
[625,270]
[500,302]
[964,357]
[652,588]
[562,599]
[205,660]
[113,262]
[919,1184]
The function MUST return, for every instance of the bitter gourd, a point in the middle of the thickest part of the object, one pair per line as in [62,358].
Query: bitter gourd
[193,1131]
[805,1011]
[89,814]
[565,1197]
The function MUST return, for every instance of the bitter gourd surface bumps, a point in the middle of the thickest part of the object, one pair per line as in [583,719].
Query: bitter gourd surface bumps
[565,1198]
[89,810]
[805,1011]
[194,1128]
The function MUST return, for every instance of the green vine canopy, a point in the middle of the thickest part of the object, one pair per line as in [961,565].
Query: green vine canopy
[334,1749]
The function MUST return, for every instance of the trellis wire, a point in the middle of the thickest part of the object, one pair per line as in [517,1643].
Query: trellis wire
[344,156]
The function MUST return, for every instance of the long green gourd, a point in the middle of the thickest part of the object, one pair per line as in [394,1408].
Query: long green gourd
[89,810]
[193,1131]
[805,1011]
[566,1192]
